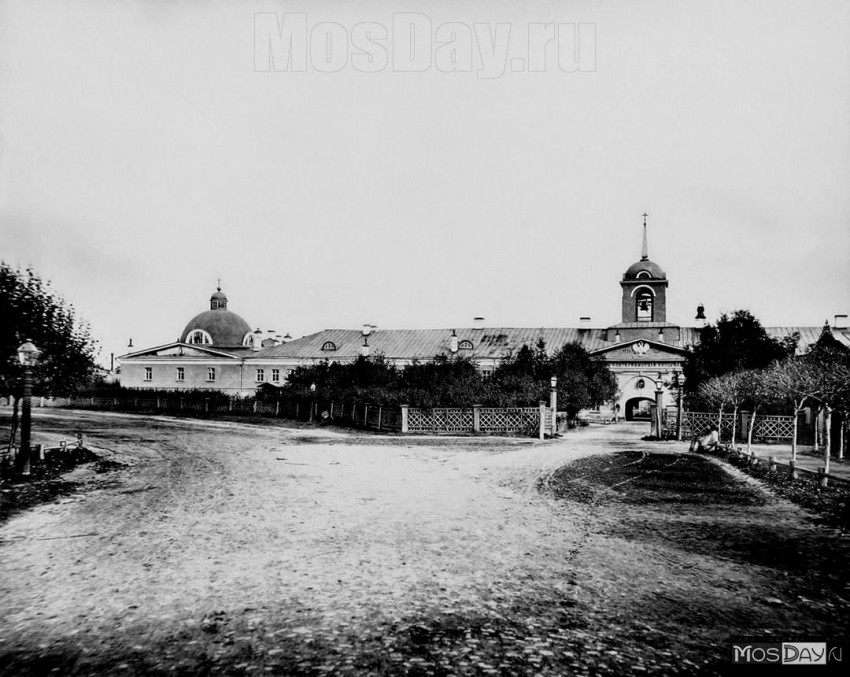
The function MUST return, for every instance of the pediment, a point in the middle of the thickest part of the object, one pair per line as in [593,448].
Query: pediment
[638,350]
[177,350]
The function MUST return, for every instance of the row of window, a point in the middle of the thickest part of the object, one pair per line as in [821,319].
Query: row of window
[211,375]
[463,345]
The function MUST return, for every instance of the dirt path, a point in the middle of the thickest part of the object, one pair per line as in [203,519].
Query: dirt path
[235,549]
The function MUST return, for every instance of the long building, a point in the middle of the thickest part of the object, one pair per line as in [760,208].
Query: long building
[218,351]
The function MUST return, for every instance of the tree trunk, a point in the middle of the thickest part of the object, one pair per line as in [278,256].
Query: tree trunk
[815,417]
[827,414]
[720,424]
[750,429]
[841,435]
[734,425]
[794,435]
[13,431]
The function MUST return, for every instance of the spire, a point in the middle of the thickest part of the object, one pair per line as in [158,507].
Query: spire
[644,252]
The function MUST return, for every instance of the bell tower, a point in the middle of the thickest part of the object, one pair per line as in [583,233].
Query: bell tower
[644,289]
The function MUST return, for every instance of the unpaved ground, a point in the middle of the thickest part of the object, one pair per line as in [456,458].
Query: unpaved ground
[227,548]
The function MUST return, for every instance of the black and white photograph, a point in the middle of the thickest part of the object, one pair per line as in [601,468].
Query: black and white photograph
[424,339]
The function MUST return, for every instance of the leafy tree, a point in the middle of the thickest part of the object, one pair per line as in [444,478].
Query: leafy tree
[736,342]
[31,309]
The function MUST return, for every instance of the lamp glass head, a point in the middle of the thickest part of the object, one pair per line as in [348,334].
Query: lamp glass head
[28,354]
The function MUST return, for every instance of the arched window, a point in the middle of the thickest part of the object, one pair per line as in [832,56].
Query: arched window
[329,345]
[643,306]
[248,340]
[465,345]
[644,274]
[199,336]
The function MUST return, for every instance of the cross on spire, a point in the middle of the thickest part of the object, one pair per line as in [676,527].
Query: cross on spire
[219,279]
[644,252]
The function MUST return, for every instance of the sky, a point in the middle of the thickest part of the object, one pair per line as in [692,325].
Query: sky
[148,149]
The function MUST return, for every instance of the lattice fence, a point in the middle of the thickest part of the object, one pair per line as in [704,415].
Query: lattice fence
[512,420]
[771,428]
[443,420]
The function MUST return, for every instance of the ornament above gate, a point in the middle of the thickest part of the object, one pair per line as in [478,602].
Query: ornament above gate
[640,348]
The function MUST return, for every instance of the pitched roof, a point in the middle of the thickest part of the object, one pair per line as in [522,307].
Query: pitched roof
[487,343]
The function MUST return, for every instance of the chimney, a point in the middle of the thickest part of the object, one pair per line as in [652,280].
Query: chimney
[478,323]
[367,329]
[130,344]
[364,349]
[257,339]
[617,336]
[661,334]
[287,338]
[700,320]
[453,342]
[584,323]
[840,322]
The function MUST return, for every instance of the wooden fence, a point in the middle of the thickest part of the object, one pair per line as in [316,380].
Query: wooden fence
[534,421]
[766,429]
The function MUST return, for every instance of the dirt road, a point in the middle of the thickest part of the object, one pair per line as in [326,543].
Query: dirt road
[227,548]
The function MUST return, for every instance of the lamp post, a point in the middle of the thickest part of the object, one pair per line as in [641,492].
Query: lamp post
[312,400]
[553,403]
[28,357]
[659,408]
[680,384]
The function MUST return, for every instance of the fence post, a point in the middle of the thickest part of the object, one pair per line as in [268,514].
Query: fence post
[380,415]
[39,452]
[476,418]
[823,478]
[404,424]
[277,408]
[365,415]
[157,403]
[793,472]
[771,464]
[542,407]
[255,406]
[206,404]
[41,402]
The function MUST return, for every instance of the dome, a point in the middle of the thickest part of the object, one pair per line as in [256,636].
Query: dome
[645,266]
[224,328]
[217,326]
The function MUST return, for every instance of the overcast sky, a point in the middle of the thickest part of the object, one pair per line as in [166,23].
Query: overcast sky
[143,155]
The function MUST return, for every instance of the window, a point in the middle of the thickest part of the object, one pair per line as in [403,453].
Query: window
[465,345]
[181,374]
[643,307]
[275,375]
[486,373]
[148,373]
[199,336]
[644,274]
[210,373]
[329,345]
[261,375]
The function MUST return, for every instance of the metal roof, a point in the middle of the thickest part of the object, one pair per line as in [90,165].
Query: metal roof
[488,343]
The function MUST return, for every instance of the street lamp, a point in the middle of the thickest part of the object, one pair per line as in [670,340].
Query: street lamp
[28,357]
[659,408]
[553,403]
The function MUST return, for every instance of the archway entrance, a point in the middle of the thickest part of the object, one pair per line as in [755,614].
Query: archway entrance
[637,408]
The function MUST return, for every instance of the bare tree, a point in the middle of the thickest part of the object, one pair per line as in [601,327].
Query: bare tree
[757,393]
[796,381]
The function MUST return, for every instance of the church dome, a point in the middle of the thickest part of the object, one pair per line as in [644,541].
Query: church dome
[217,326]
[650,270]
